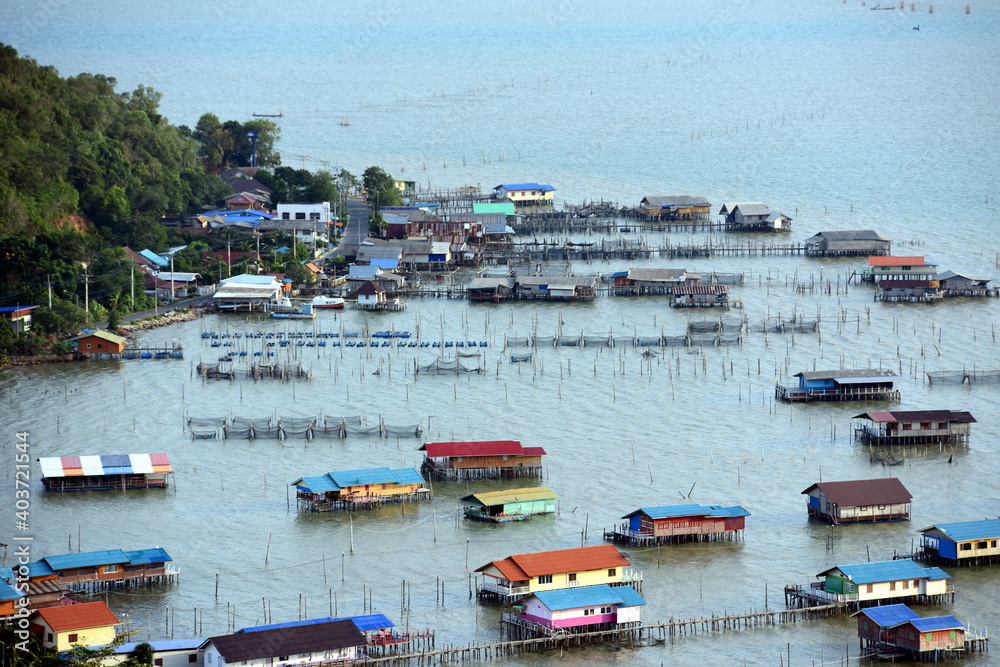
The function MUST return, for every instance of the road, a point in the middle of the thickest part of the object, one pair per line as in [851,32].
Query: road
[355,231]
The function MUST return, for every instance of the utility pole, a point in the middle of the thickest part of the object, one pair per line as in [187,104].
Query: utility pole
[173,296]
[131,275]
[48,279]
[86,288]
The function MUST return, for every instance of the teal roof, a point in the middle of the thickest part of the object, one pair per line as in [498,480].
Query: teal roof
[666,511]
[589,596]
[890,570]
[341,479]
[964,531]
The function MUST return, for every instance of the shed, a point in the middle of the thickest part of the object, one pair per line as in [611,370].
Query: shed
[509,504]
[98,343]
[105,471]
[962,543]
[701,296]
[859,501]
[858,242]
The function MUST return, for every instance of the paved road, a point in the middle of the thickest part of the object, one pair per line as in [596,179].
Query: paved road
[355,231]
[161,310]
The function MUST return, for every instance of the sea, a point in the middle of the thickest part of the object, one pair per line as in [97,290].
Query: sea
[838,115]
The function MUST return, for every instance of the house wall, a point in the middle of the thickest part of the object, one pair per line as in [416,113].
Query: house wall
[174,658]
[870,512]
[629,614]
[973,548]
[319,211]
[584,578]
[510,461]
[87,637]
[379,490]
[572,618]
[688,525]
[530,507]
[899,589]
[526,195]
[214,659]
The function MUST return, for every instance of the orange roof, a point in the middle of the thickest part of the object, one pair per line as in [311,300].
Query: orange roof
[896,261]
[78,616]
[526,566]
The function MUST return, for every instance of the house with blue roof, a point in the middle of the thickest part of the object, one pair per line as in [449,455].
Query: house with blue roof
[680,523]
[962,543]
[359,489]
[95,570]
[531,194]
[871,583]
[894,627]
[580,609]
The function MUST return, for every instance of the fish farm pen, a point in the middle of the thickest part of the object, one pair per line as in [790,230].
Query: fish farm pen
[284,428]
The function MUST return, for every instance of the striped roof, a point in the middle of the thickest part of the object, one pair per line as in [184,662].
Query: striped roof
[918,415]
[681,290]
[342,479]
[479,448]
[77,616]
[672,511]
[862,492]
[105,464]
[890,570]
[525,566]
[505,496]
[963,531]
[589,596]
[899,261]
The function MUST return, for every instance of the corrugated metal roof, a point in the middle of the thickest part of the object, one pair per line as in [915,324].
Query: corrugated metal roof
[675,201]
[657,275]
[889,615]
[8,592]
[533,451]
[162,645]
[104,464]
[492,498]
[147,556]
[570,560]
[963,531]
[846,374]
[670,511]
[289,624]
[479,448]
[681,290]
[849,235]
[339,480]
[312,638]
[40,568]
[948,275]
[510,187]
[86,559]
[6,572]
[367,622]
[897,261]
[385,263]
[918,415]
[746,208]
[932,623]
[890,570]
[250,279]
[861,492]
[318,484]
[362,272]
[589,596]
[78,616]
[490,283]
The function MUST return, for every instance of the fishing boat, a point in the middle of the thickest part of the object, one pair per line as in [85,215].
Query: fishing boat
[327,302]
[285,308]
[305,313]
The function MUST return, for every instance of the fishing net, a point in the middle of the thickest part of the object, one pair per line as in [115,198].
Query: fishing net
[441,366]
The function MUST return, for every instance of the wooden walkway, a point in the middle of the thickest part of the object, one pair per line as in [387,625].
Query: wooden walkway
[645,635]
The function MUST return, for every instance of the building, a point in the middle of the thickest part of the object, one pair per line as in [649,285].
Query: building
[754,216]
[640,281]
[859,501]
[480,460]
[701,296]
[98,344]
[867,584]
[166,653]
[86,624]
[372,297]
[18,318]
[897,268]
[504,207]
[569,610]
[9,598]
[106,471]
[509,504]
[170,285]
[296,644]
[841,385]
[525,194]
[246,293]
[853,243]
[680,523]
[558,288]
[379,632]
[962,284]
[359,489]
[909,290]
[97,570]
[404,186]
[962,543]
[675,208]
[517,576]
[490,289]
[913,427]
[886,630]
[316,212]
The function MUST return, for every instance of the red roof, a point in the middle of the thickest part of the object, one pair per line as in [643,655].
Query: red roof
[918,416]
[525,566]
[896,261]
[78,616]
[855,493]
[484,448]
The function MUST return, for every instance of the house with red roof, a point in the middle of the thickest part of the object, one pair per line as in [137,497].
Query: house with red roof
[859,501]
[87,623]
[911,427]
[492,459]
[517,576]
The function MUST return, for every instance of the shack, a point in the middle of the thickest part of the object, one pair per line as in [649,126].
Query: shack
[564,288]
[675,208]
[516,576]
[359,489]
[859,501]
[962,543]
[510,504]
[639,281]
[106,471]
[701,296]
[913,427]
[754,216]
[490,289]
[841,385]
[570,610]
[886,631]
[867,584]
[373,297]
[98,344]
[492,459]
[852,243]
[909,290]
[680,523]
[963,284]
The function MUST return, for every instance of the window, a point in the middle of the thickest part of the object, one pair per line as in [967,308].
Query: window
[88,346]
[588,612]
[913,635]
[993,544]
[72,637]
[929,636]
[952,634]
[907,268]
[863,508]
[943,425]
[892,585]
[966,547]
[613,572]
[158,662]
[192,657]
[864,625]
[605,610]
[284,215]
[572,576]
[300,216]
[48,636]
[869,588]
[109,569]
[906,584]
[925,426]
[881,507]
[907,427]
[283,657]
[545,578]
[314,216]
[916,583]
[981,545]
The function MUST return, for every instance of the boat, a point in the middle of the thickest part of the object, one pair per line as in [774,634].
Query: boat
[327,302]
[306,313]
[284,308]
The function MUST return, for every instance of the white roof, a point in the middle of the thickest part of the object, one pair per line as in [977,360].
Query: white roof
[177,276]
[250,279]
[362,272]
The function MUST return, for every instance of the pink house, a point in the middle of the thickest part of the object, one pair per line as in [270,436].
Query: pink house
[580,609]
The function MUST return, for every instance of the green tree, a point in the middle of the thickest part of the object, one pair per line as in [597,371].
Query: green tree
[140,656]
[64,318]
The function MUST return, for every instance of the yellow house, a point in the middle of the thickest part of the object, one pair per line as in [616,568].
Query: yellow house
[343,488]
[524,574]
[525,192]
[405,186]
[89,624]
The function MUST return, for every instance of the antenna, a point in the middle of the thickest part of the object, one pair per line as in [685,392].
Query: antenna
[253,147]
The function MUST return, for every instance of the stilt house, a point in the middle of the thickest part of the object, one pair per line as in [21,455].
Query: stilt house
[886,580]
[859,501]
[754,216]
[478,460]
[297,644]
[509,504]
[701,296]
[680,523]
[581,609]
[962,543]
[675,207]
[106,471]
[841,385]
[358,489]
[895,627]
[110,566]
[852,243]
[913,427]
[98,344]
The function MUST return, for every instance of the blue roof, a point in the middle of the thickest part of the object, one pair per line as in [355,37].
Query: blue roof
[39,568]
[319,484]
[890,615]
[964,531]
[154,258]
[619,274]
[86,559]
[144,556]
[6,572]
[526,186]
[385,263]
[931,623]
[248,213]
[369,622]
[589,596]
[287,624]
[339,480]
[10,309]
[889,570]
[8,592]
[666,511]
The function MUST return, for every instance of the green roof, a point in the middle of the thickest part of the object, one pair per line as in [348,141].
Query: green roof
[506,208]
[503,497]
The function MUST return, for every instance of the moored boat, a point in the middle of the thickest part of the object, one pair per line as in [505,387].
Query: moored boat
[327,302]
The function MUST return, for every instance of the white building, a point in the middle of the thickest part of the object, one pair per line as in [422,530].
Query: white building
[318,212]
[286,644]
